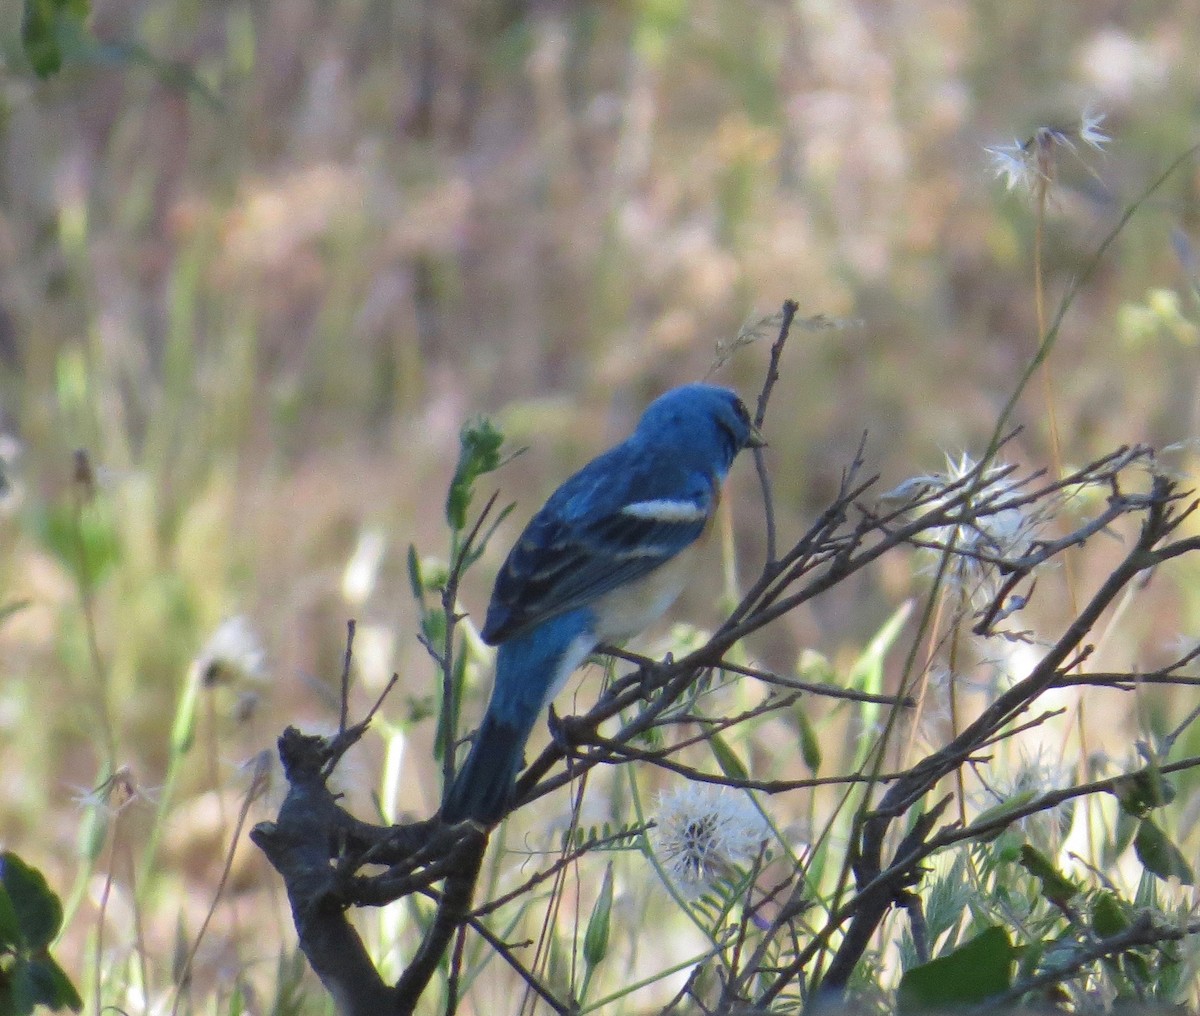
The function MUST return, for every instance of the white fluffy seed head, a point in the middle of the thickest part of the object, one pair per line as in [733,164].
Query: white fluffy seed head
[703,831]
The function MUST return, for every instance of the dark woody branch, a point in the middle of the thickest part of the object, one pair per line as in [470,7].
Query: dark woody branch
[834,555]
[331,861]
[299,845]
[872,901]
[321,850]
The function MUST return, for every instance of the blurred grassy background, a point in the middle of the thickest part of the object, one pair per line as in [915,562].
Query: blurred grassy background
[266,317]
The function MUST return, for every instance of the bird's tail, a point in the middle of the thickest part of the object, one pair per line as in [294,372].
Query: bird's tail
[484,784]
[530,669]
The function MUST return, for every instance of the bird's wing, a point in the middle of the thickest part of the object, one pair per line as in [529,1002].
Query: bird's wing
[613,522]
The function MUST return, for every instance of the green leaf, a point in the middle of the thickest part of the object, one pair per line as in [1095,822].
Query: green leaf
[18,994]
[1056,887]
[1137,969]
[435,573]
[478,453]
[10,927]
[867,676]
[1109,916]
[183,727]
[426,575]
[45,26]
[970,974]
[730,764]
[39,912]
[945,899]
[1143,791]
[480,545]
[93,830]
[1008,848]
[85,540]
[433,626]
[416,581]
[999,811]
[1123,834]
[810,747]
[1160,856]
[51,986]
[595,939]
[867,672]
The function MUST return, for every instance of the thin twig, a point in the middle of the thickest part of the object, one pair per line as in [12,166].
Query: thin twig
[816,687]
[347,657]
[788,314]
[445,660]
[506,954]
[258,782]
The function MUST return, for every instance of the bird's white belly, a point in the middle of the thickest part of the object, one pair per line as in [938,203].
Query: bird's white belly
[628,609]
[570,661]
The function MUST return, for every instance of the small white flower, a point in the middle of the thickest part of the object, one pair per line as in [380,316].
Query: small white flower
[703,832]
[233,654]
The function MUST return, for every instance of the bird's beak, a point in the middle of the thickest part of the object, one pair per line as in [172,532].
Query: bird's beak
[755,439]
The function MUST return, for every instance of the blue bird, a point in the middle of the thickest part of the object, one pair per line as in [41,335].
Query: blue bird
[605,556]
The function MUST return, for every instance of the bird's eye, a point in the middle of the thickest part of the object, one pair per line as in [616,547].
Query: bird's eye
[740,408]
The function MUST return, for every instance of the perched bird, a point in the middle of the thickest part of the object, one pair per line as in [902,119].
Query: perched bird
[604,557]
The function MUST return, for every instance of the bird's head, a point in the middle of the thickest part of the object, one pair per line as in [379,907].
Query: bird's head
[701,416]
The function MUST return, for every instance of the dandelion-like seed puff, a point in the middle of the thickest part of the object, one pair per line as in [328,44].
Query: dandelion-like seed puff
[703,833]
[1030,165]
[997,532]
[1037,770]
[233,654]
[988,532]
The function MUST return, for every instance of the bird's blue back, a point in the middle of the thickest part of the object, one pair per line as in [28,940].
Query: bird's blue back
[585,542]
